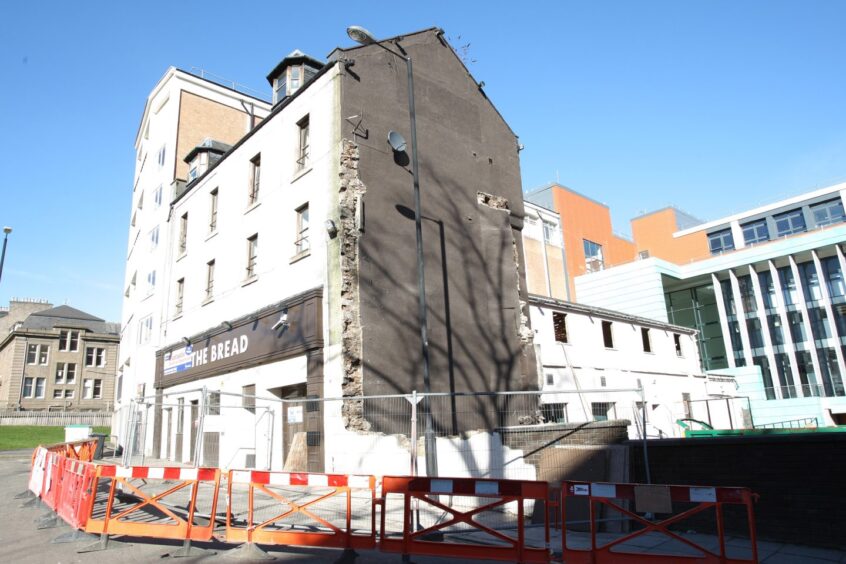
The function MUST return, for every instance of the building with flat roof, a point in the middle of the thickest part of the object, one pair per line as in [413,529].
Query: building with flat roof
[764,288]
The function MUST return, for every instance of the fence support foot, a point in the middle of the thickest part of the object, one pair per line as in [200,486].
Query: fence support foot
[48,521]
[347,557]
[26,494]
[73,536]
[187,550]
[34,502]
[101,544]
[249,551]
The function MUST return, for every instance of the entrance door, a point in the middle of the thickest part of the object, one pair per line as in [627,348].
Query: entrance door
[295,444]
[168,413]
[195,415]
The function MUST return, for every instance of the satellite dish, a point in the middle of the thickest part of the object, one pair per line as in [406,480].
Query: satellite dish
[397,142]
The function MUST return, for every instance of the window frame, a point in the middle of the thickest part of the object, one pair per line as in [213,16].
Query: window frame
[183,234]
[789,217]
[724,240]
[255,180]
[301,242]
[210,279]
[180,296]
[213,203]
[646,340]
[759,231]
[69,340]
[593,254]
[830,218]
[252,256]
[97,358]
[303,143]
[559,327]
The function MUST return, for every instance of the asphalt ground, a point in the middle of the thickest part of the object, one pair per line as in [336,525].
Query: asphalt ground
[22,540]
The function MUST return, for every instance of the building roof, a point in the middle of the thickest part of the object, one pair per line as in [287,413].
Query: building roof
[536,195]
[294,57]
[683,219]
[66,316]
[611,314]
[207,146]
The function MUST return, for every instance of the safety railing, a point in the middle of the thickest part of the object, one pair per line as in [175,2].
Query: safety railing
[284,508]
[154,502]
[494,519]
[464,518]
[646,543]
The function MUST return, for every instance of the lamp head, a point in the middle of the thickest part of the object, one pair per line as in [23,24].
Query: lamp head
[7,230]
[360,35]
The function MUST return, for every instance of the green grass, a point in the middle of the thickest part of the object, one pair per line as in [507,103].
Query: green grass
[14,437]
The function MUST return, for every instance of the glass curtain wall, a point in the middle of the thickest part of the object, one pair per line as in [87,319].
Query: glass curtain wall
[697,308]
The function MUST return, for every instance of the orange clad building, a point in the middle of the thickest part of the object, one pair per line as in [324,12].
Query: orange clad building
[653,234]
[589,241]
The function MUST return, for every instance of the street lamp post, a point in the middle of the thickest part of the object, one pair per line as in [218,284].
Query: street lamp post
[6,231]
[364,37]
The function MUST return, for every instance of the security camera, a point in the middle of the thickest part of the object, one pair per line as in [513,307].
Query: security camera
[283,321]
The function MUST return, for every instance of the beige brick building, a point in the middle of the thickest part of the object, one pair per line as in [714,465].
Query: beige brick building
[57,358]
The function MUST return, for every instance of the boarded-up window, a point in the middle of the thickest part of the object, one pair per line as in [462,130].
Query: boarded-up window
[559,322]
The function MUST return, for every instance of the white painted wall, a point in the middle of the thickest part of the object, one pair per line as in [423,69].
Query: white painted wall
[634,288]
[584,363]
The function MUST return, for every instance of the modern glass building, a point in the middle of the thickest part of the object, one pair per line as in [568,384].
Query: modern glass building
[763,288]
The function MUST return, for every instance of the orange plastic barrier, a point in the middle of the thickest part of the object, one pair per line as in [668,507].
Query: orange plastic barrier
[149,514]
[492,496]
[78,450]
[599,494]
[294,504]
[75,492]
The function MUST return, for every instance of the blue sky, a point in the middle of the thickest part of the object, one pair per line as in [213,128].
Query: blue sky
[712,106]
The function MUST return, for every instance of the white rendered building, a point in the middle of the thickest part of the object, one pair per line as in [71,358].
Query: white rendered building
[593,361]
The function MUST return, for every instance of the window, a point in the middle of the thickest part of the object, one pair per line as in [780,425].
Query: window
[37,354]
[213,211]
[180,294]
[833,277]
[643,255]
[39,387]
[677,343]
[554,412]
[602,411]
[302,151]
[755,232]
[607,336]
[145,329]
[134,216]
[788,285]
[559,325]
[183,233]
[92,389]
[550,379]
[255,179]
[551,233]
[828,213]
[154,238]
[210,279]
[65,372]
[720,241]
[68,394]
[301,242]
[747,294]
[161,156]
[214,403]
[296,77]
[95,356]
[788,223]
[252,255]
[151,282]
[248,398]
[644,336]
[157,196]
[593,256]
[810,281]
[27,387]
[58,394]
[69,341]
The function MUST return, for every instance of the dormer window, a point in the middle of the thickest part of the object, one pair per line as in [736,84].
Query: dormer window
[291,74]
[198,166]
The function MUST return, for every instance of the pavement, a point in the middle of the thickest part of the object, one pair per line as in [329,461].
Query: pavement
[22,541]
